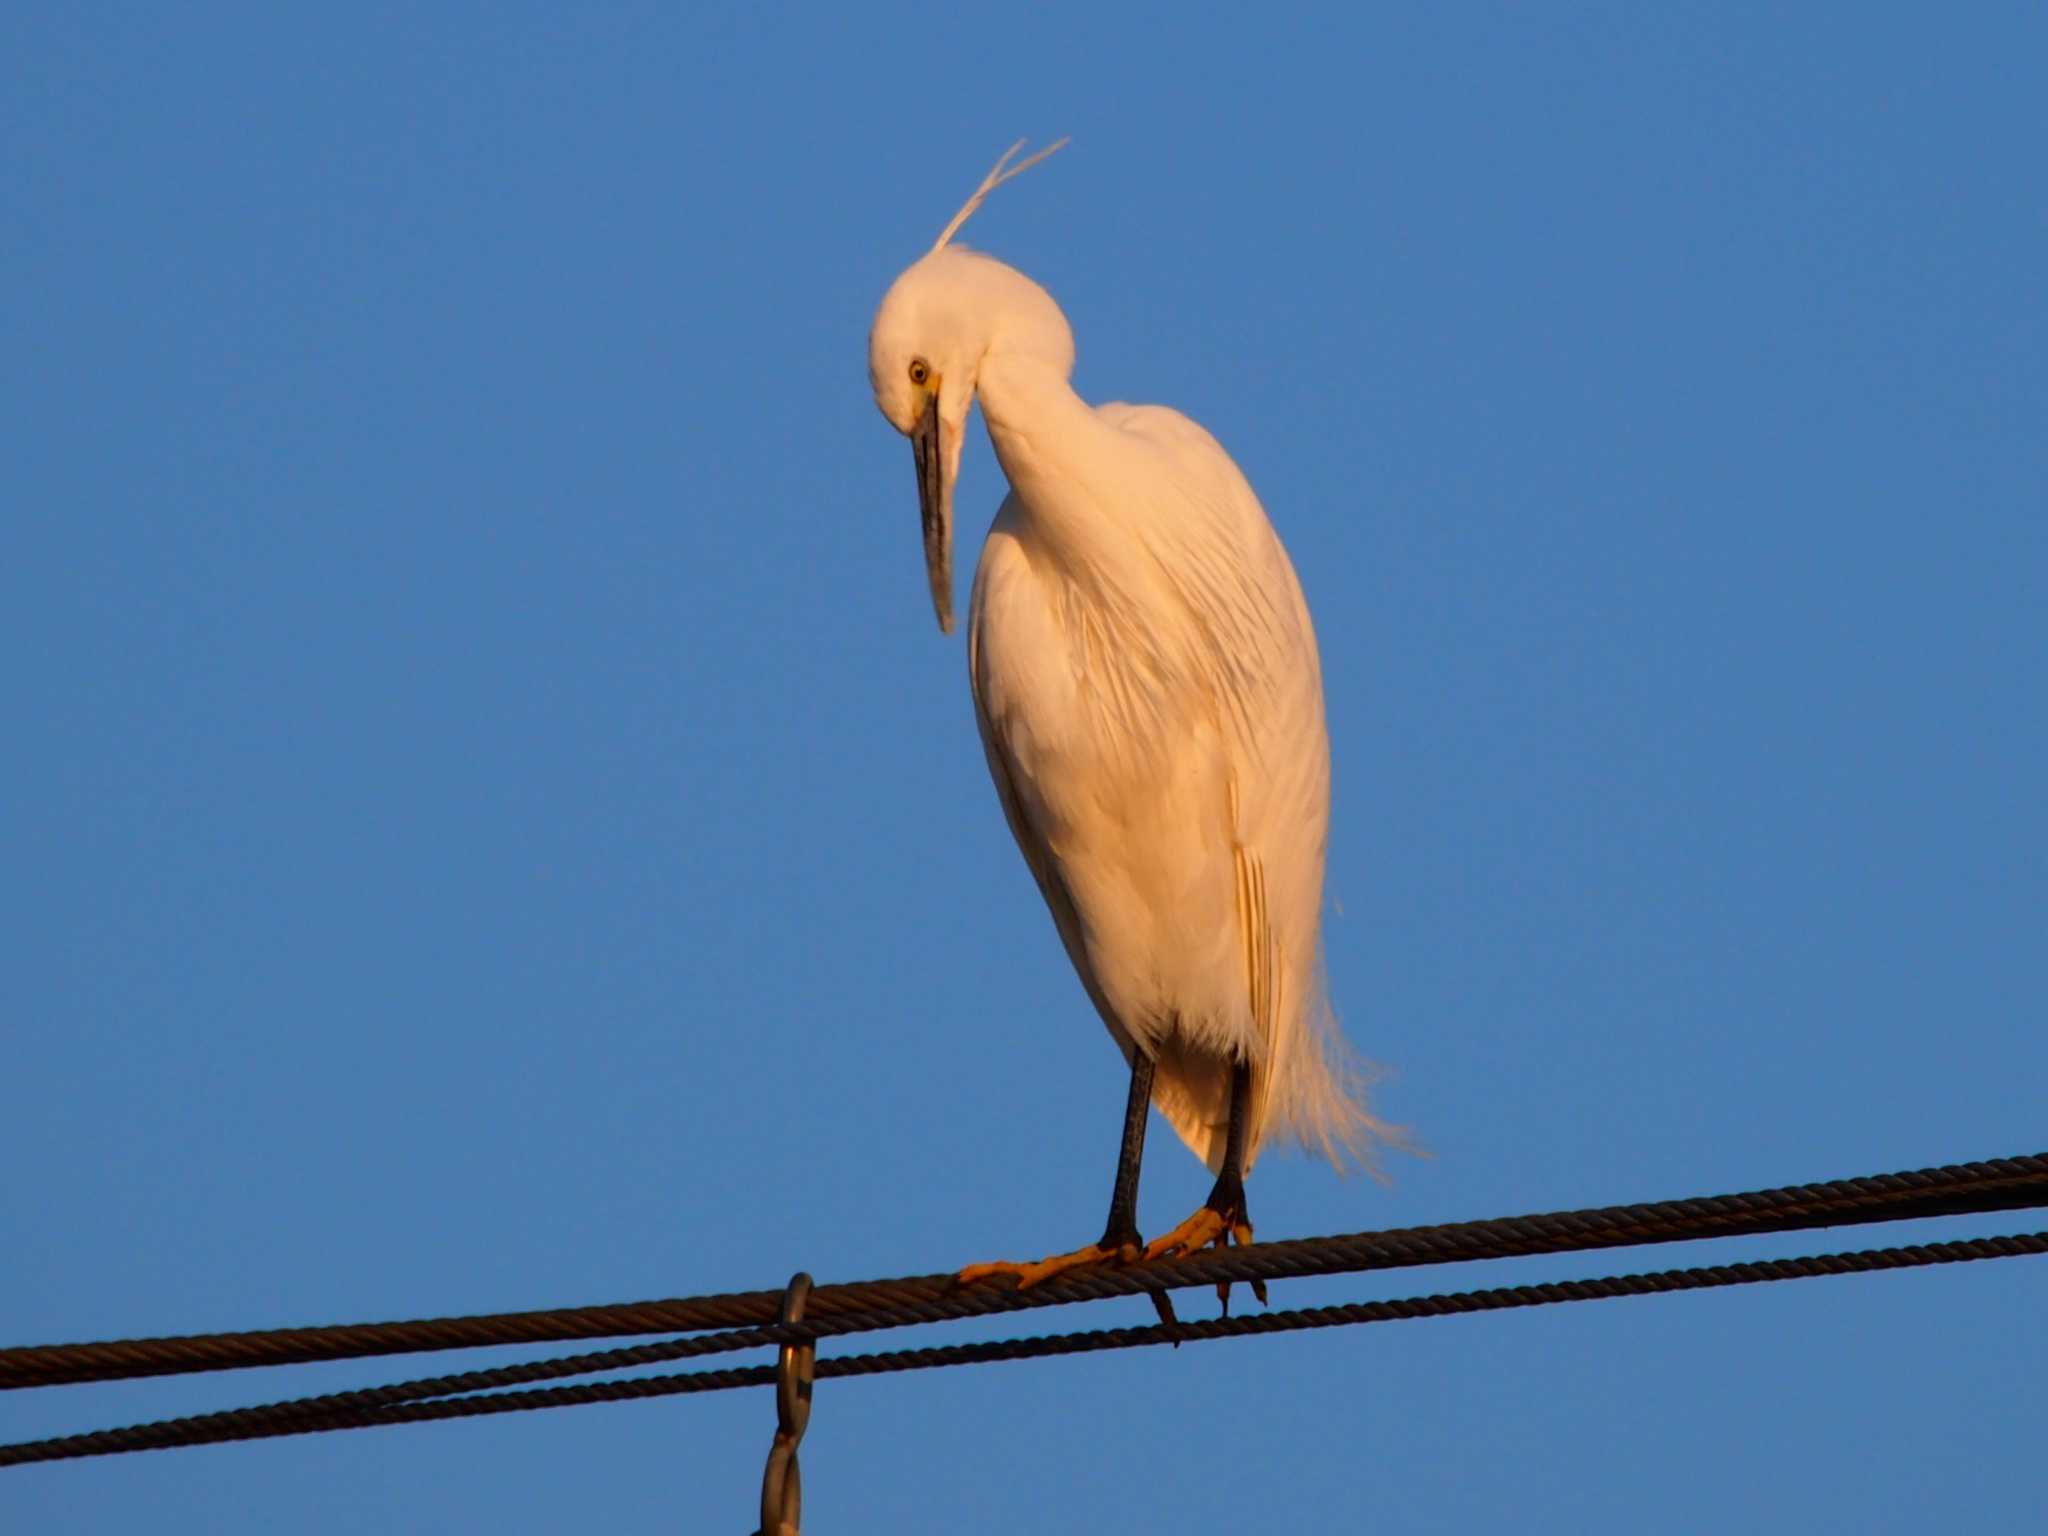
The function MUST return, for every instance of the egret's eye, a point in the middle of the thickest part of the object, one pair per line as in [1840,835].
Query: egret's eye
[920,372]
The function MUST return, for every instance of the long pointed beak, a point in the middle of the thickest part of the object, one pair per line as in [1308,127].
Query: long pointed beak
[935,468]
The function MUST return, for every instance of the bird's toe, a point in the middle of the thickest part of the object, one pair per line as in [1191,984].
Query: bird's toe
[1038,1271]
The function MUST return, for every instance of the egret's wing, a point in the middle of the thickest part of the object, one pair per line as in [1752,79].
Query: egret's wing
[1262,966]
[1023,825]
[1255,654]
[1025,818]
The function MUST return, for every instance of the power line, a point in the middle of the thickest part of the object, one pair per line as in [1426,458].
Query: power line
[401,1405]
[1951,1190]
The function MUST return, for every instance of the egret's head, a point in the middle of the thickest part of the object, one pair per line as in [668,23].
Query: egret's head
[936,325]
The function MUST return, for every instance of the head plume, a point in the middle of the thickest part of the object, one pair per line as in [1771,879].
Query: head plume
[1001,172]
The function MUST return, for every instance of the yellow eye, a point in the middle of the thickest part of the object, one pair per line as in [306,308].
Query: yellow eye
[920,372]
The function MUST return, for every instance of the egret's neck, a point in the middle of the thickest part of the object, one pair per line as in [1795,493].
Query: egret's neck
[1034,417]
[1071,505]
[1051,446]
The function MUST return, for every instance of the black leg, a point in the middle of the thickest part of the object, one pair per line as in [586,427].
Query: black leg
[1121,1235]
[1122,1231]
[1227,1198]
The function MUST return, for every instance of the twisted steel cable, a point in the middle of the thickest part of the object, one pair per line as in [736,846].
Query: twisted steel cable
[1954,1189]
[382,1406]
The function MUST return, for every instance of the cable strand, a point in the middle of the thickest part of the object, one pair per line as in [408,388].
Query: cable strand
[361,1410]
[1955,1189]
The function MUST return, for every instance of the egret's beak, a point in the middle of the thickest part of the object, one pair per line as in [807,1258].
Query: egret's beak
[937,462]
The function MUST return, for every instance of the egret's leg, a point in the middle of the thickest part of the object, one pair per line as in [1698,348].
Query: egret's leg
[1120,1240]
[1120,1235]
[1222,1219]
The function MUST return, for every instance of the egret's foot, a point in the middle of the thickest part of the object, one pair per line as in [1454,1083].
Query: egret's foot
[1209,1227]
[1127,1251]
[1042,1270]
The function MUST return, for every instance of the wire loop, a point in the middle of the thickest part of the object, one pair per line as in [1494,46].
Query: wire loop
[782,1484]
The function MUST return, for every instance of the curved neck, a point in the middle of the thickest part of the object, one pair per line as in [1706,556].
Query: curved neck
[1043,432]
[1068,474]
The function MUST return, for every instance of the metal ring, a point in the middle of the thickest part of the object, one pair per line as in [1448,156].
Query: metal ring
[782,1484]
[795,1364]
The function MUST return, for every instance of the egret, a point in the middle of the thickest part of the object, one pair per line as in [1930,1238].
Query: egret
[1150,701]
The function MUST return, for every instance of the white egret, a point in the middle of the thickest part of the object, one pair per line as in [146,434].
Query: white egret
[1150,700]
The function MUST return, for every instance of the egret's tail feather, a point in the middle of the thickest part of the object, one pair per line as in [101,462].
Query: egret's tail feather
[1319,1097]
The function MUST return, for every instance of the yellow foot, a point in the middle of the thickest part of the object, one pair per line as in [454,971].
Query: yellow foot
[1208,1227]
[1028,1275]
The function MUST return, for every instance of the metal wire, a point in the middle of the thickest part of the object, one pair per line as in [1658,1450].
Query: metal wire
[361,1410]
[1955,1189]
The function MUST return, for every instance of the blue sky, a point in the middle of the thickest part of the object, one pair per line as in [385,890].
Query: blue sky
[489,822]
